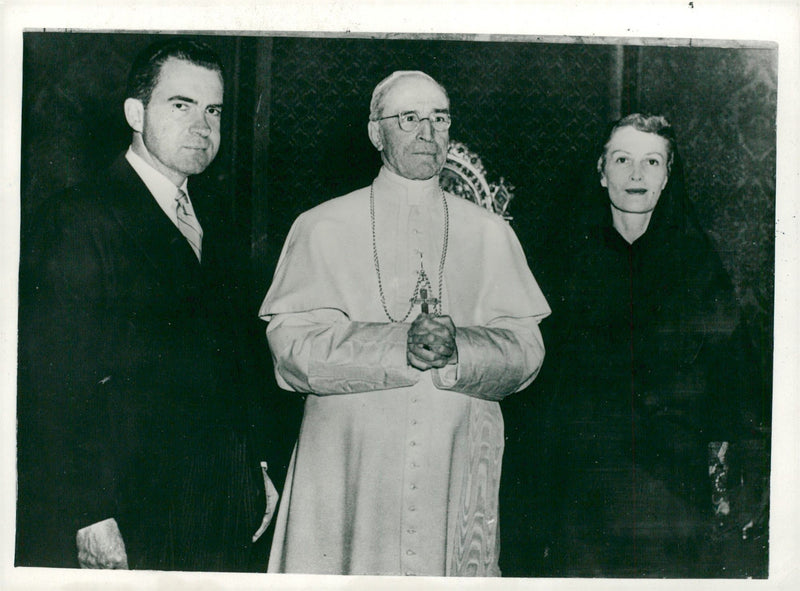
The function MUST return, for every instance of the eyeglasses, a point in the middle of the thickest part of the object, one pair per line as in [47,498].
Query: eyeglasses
[410,120]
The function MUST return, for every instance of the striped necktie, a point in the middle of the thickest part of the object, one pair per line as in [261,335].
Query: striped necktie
[188,224]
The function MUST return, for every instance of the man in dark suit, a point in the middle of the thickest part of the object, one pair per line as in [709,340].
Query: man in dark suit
[130,405]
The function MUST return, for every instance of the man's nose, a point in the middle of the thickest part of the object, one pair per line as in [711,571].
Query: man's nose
[201,126]
[425,129]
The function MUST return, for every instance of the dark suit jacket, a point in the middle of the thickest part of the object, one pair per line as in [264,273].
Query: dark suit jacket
[130,401]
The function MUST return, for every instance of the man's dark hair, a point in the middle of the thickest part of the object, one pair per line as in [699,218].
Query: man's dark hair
[146,68]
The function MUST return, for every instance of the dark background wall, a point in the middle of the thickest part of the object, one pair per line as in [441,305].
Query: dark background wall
[294,130]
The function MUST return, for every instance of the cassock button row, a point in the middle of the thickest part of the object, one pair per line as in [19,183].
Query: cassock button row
[413,486]
[413,443]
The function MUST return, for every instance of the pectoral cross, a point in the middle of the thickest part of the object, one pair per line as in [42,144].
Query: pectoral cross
[422,290]
[424,300]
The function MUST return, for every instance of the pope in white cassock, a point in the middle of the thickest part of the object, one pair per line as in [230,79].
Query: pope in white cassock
[404,314]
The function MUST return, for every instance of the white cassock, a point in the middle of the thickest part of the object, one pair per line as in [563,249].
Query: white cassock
[396,471]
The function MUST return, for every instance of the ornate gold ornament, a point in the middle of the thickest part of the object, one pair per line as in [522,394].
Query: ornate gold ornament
[464,175]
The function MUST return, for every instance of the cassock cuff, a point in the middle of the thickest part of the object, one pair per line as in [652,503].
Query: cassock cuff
[446,377]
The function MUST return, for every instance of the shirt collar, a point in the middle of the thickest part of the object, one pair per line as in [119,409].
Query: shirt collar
[162,189]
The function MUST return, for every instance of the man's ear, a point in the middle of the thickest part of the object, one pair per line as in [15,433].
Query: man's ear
[374,130]
[134,114]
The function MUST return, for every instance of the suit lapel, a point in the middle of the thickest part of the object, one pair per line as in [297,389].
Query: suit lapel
[149,229]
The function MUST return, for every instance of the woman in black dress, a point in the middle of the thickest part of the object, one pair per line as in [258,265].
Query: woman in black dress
[647,372]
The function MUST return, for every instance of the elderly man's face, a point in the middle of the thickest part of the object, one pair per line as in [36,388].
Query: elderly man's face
[418,154]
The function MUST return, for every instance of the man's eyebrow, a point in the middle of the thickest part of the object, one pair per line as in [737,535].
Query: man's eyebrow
[183,99]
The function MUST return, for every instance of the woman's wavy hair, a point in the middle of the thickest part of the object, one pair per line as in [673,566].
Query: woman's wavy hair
[656,124]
